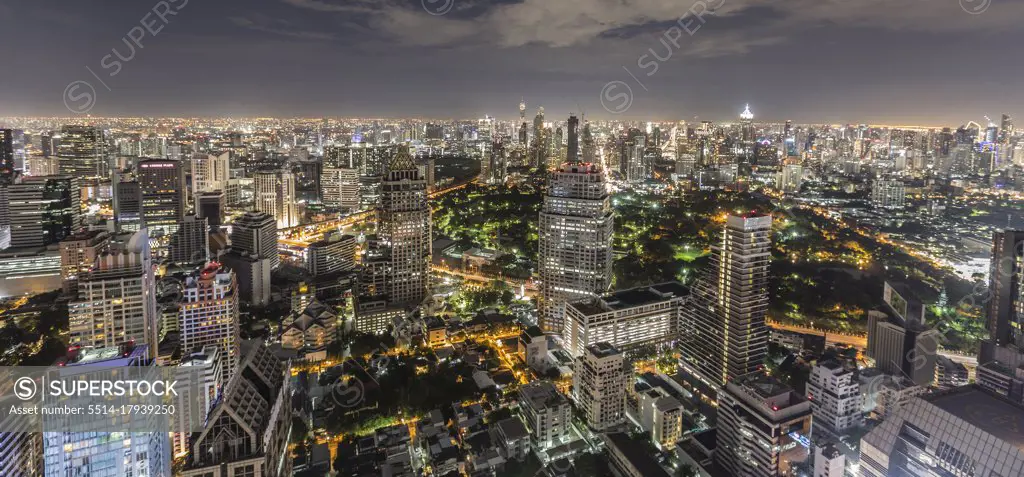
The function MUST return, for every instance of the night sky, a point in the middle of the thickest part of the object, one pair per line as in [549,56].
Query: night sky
[927,62]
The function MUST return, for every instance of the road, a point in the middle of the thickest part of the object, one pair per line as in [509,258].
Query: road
[861,341]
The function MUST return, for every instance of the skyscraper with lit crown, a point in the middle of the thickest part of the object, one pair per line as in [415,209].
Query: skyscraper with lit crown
[404,225]
[575,239]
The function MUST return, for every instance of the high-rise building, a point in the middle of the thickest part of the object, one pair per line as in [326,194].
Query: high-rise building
[82,154]
[723,332]
[6,153]
[210,171]
[255,233]
[828,460]
[834,393]
[191,242]
[747,135]
[275,195]
[210,205]
[888,194]
[78,255]
[116,301]
[626,319]
[763,427]
[964,431]
[43,210]
[334,254]
[127,205]
[208,315]
[1006,283]
[898,341]
[340,188]
[202,370]
[404,225]
[162,186]
[573,142]
[21,452]
[599,386]
[575,240]
[247,431]
[145,452]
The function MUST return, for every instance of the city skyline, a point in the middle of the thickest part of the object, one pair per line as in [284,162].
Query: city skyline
[796,61]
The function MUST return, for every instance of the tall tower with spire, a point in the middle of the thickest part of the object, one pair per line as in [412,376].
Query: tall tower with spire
[747,120]
[404,226]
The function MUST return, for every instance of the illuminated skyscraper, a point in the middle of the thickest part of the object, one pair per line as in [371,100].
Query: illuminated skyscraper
[573,146]
[747,122]
[723,334]
[162,185]
[82,153]
[404,225]
[116,300]
[1006,307]
[575,240]
[210,172]
[208,315]
[43,210]
[6,153]
[275,195]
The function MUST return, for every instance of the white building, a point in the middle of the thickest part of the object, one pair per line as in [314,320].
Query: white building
[834,393]
[884,394]
[116,301]
[828,461]
[203,368]
[645,316]
[546,413]
[340,188]
[657,410]
[599,386]
[575,239]
[208,315]
[210,171]
[275,195]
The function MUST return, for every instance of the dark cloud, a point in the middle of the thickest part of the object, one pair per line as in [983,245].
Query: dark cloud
[923,61]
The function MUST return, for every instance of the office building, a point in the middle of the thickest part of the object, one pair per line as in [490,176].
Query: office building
[211,205]
[210,172]
[202,369]
[1003,378]
[1005,320]
[898,341]
[6,153]
[116,301]
[763,427]
[336,253]
[950,374]
[834,393]
[252,274]
[78,255]
[546,413]
[723,335]
[127,205]
[404,226]
[275,196]
[340,188]
[191,242]
[791,178]
[888,194]
[247,431]
[106,454]
[630,459]
[162,186]
[208,315]
[960,432]
[43,210]
[575,240]
[21,452]
[599,386]
[255,233]
[627,319]
[82,154]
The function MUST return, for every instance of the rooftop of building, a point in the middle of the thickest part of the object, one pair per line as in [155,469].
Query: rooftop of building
[632,297]
[513,428]
[541,394]
[637,455]
[602,350]
[990,413]
[79,356]
[830,451]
